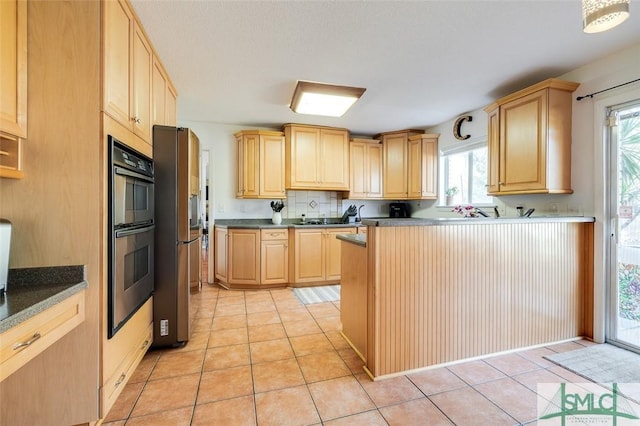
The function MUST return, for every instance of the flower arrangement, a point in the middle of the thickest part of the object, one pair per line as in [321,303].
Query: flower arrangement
[277,206]
[465,211]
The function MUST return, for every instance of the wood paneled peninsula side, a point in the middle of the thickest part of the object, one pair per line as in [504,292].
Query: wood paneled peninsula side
[425,292]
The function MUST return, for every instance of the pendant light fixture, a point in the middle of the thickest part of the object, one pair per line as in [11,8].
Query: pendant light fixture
[602,15]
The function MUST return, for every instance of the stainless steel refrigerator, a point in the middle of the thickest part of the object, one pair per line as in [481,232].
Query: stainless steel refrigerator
[177,233]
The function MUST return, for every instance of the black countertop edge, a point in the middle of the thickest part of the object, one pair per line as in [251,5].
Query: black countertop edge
[475,221]
[286,223]
[357,239]
[33,290]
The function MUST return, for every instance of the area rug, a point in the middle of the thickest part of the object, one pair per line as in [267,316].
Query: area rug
[601,363]
[310,295]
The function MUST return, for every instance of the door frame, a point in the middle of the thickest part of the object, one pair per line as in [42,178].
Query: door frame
[601,205]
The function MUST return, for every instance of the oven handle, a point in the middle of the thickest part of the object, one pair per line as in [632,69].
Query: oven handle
[124,172]
[126,232]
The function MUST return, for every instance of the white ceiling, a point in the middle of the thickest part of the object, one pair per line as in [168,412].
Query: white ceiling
[422,62]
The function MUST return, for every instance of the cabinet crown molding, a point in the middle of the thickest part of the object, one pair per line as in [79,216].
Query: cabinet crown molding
[258,132]
[550,83]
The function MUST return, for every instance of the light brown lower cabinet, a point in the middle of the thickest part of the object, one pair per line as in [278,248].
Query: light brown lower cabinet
[243,258]
[274,256]
[122,354]
[252,258]
[22,343]
[315,257]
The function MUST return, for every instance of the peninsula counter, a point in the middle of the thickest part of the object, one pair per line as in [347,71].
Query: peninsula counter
[424,292]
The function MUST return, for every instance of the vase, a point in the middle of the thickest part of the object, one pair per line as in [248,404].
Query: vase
[449,200]
[276,219]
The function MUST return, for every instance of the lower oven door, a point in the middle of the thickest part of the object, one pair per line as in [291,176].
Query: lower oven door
[132,274]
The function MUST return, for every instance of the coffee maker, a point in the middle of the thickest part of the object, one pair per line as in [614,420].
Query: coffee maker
[398,210]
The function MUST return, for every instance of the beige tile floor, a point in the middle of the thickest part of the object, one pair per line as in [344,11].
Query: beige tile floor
[263,358]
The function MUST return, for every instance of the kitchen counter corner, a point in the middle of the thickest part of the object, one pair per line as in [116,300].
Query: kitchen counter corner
[33,290]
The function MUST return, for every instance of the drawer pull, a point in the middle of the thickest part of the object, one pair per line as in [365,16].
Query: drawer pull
[120,380]
[275,234]
[28,342]
[144,345]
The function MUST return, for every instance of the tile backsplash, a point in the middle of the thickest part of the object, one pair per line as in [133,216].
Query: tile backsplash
[313,204]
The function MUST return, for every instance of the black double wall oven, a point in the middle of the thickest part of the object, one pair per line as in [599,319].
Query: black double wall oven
[131,226]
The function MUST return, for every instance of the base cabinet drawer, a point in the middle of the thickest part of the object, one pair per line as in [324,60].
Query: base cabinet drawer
[22,343]
[122,354]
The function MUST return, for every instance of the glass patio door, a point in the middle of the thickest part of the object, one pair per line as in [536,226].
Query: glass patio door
[624,186]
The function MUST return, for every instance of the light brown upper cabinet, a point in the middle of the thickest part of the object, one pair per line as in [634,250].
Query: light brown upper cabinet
[365,171]
[261,168]
[13,57]
[316,157]
[163,96]
[194,164]
[422,170]
[529,140]
[128,60]
[13,86]
[395,163]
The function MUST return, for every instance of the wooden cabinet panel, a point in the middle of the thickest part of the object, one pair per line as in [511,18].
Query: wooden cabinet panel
[271,182]
[260,164]
[118,39]
[530,140]
[122,354]
[422,176]
[493,145]
[22,343]
[141,85]
[334,159]
[194,164]
[316,255]
[302,161]
[333,250]
[244,256]
[316,158]
[353,293]
[159,95]
[274,256]
[163,96]
[523,151]
[357,170]
[365,169]
[220,254]
[128,63]
[171,106]
[13,57]
[309,255]
[394,170]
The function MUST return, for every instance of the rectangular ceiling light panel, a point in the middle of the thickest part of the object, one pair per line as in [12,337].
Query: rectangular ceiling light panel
[324,99]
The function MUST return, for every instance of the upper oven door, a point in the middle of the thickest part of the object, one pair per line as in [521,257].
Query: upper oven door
[133,198]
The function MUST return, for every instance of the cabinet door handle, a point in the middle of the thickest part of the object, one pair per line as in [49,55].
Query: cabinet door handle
[144,345]
[27,343]
[120,380]
[136,120]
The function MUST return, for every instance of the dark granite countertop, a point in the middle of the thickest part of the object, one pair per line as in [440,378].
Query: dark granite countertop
[473,221]
[33,290]
[286,223]
[357,239]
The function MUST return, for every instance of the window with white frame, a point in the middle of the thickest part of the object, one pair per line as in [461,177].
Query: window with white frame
[463,176]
